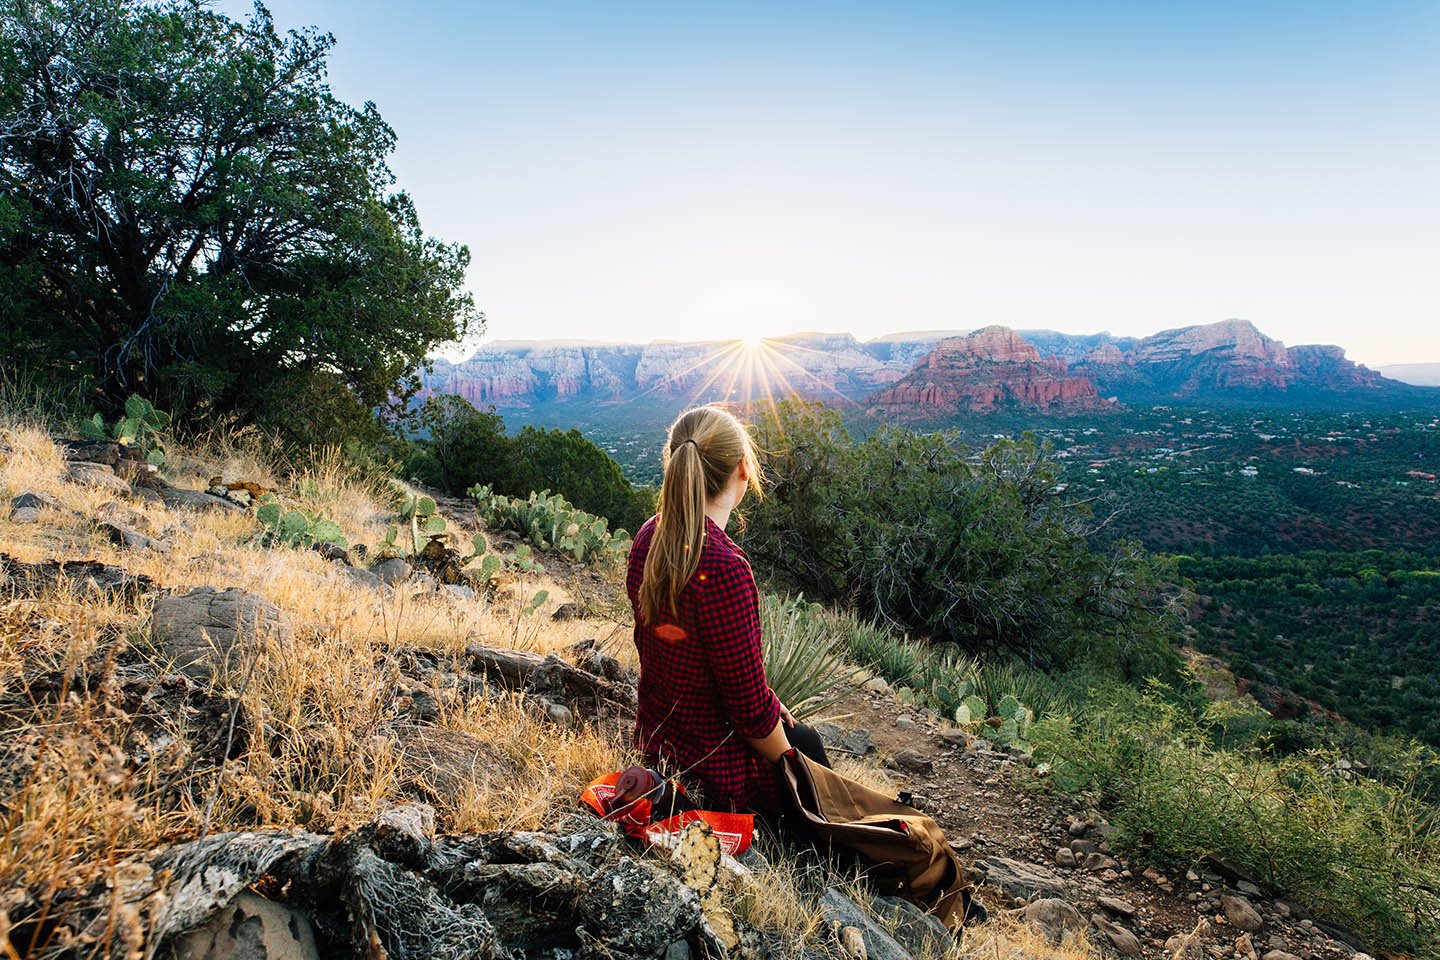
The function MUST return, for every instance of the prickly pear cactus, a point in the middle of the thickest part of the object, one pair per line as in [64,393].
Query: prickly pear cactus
[1015,723]
[970,710]
[297,527]
[141,427]
[550,522]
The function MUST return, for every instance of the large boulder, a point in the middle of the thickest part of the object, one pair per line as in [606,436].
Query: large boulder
[842,915]
[96,475]
[191,499]
[26,508]
[106,452]
[638,908]
[918,931]
[128,537]
[1125,943]
[1054,918]
[209,631]
[1241,913]
[86,577]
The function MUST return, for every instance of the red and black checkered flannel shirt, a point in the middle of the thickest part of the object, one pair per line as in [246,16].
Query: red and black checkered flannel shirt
[702,678]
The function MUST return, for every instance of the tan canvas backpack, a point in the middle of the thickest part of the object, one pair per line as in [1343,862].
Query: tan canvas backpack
[905,851]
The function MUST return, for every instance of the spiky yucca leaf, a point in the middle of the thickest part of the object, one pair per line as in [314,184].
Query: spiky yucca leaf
[803,658]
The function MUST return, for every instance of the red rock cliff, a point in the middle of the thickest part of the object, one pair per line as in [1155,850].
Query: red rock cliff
[983,371]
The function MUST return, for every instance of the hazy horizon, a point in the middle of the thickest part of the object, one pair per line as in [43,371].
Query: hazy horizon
[642,171]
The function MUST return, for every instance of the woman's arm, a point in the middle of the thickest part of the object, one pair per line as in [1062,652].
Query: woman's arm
[728,618]
[772,746]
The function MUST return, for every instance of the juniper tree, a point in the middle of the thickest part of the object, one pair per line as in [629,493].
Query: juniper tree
[187,212]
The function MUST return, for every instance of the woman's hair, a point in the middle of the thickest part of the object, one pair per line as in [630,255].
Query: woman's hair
[702,449]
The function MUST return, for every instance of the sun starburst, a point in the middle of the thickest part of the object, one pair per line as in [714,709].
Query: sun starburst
[753,373]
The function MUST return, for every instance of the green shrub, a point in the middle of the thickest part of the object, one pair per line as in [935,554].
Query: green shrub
[1351,850]
[880,649]
[985,552]
[804,658]
[466,447]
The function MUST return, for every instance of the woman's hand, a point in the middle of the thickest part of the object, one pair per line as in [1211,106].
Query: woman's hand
[785,716]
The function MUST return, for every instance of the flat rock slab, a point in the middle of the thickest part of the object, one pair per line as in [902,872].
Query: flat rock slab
[207,630]
[250,928]
[840,913]
[86,577]
[96,475]
[919,931]
[1115,905]
[128,537]
[26,508]
[1125,943]
[1019,879]
[106,452]
[856,742]
[195,500]
[364,578]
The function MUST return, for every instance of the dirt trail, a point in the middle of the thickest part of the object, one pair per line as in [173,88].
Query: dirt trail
[980,799]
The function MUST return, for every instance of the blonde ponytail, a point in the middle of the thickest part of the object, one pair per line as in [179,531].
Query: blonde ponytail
[702,450]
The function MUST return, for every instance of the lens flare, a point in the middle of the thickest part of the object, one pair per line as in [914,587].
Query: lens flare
[753,373]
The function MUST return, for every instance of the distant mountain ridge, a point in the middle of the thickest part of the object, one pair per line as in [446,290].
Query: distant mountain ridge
[927,374]
[522,373]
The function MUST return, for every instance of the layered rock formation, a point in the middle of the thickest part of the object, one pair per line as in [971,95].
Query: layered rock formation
[1229,361]
[933,371]
[515,373]
[984,371]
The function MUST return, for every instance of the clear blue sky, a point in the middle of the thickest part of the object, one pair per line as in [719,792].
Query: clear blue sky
[632,171]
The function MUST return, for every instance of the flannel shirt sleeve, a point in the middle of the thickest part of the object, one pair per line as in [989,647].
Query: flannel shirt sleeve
[728,618]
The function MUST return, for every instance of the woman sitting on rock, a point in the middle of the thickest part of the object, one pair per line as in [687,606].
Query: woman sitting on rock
[706,713]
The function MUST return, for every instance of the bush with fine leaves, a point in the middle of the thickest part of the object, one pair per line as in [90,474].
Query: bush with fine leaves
[1350,849]
[903,528]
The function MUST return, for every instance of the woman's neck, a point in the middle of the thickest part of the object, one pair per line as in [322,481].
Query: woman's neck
[719,513]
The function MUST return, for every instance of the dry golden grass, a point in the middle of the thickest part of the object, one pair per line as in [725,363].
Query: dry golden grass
[321,752]
[545,765]
[866,771]
[316,720]
[1006,937]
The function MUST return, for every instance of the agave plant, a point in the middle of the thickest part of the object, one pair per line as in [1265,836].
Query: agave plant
[803,657]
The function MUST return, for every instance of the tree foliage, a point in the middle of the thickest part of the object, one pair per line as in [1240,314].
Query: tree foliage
[467,447]
[903,528]
[187,212]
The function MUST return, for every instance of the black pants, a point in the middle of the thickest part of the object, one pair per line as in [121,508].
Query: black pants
[801,737]
[808,742]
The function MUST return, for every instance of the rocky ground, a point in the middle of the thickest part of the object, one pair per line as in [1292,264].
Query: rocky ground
[1031,847]
[211,750]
